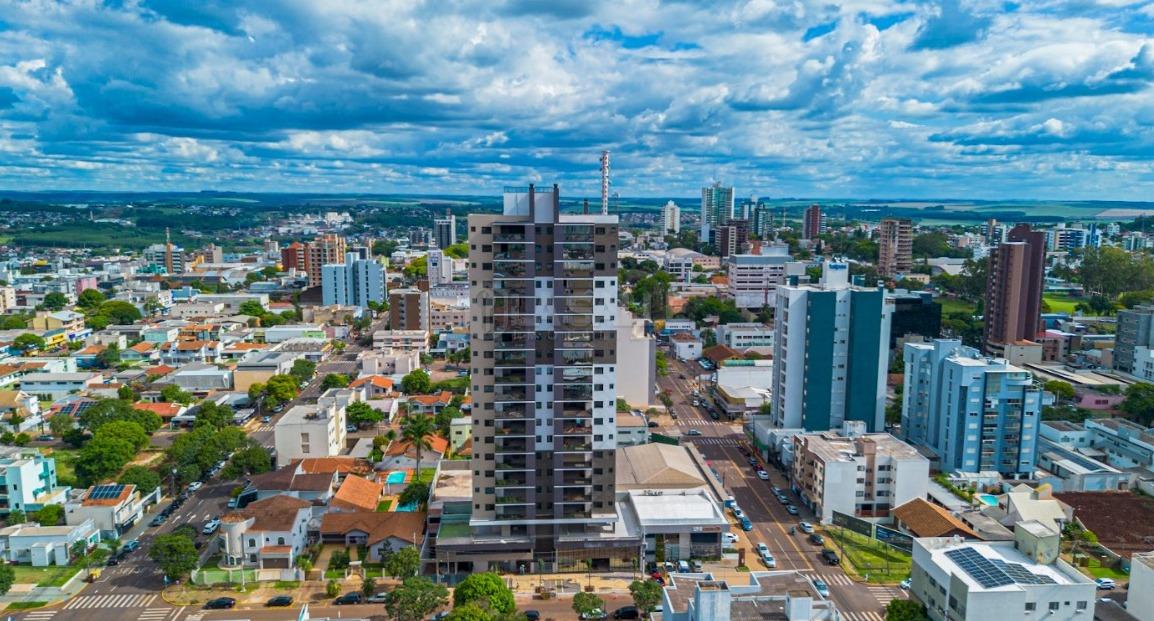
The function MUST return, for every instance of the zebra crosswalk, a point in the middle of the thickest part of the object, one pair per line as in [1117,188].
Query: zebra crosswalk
[39,615]
[702,422]
[862,616]
[883,594]
[157,614]
[838,579]
[265,427]
[712,441]
[138,600]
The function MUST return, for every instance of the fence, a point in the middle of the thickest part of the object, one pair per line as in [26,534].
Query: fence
[888,536]
[208,577]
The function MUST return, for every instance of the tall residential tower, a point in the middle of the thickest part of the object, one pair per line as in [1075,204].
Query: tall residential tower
[895,247]
[716,209]
[1014,285]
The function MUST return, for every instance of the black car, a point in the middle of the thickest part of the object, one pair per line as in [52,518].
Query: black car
[158,520]
[220,603]
[627,612]
[830,557]
[816,539]
[348,598]
[113,560]
[280,601]
[652,424]
[532,615]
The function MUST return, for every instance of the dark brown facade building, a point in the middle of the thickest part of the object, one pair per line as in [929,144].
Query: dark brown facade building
[408,309]
[1013,311]
[543,289]
[812,224]
[895,247]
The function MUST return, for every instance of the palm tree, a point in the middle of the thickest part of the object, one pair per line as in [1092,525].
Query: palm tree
[417,429]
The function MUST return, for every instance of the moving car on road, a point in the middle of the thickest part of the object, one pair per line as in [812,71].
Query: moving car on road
[194,486]
[763,475]
[830,557]
[348,599]
[279,601]
[1105,584]
[805,527]
[790,509]
[816,539]
[211,526]
[821,587]
[693,432]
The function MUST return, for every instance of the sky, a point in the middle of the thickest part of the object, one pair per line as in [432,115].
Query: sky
[1038,99]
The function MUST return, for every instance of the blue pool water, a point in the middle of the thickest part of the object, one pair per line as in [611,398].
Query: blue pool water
[395,477]
[988,499]
[412,506]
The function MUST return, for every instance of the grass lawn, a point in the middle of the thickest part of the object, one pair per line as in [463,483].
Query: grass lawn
[1060,303]
[426,475]
[866,557]
[44,576]
[384,505]
[953,305]
[66,465]
[25,605]
[1095,569]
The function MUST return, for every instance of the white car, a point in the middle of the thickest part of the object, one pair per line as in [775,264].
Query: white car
[729,537]
[905,584]
[763,475]
[762,549]
[194,486]
[806,527]
[211,526]
[769,561]
[738,513]
[821,587]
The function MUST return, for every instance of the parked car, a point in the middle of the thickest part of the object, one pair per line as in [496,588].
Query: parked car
[762,549]
[279,601]
[266,419]
[790,509]
[905,584]
[130,546]
[768,560]
[805,527]
[693,432]
[113,560]
[378,598]
[746,525]
[348,598]
[350,428]
[220,603]
[763,475]
[233,503]
[45,438]
[194,486]
[158,520]
[729,538]
[1106,584]
[830,557]
[532,615]
[211,526]
[593,615]
[738,513]
[730,502]
[627,612]
[816,539]
[652,424]
[821,587]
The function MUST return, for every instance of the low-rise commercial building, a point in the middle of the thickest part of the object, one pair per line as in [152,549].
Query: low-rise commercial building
[310,431]
[114,508]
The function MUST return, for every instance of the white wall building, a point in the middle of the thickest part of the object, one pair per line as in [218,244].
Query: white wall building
[743,336]
[636,360]
[1140,603]
[671,218]
[754,277]
[310,431]
[356,282]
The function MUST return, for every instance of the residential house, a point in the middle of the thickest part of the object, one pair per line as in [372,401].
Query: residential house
[460,432]
[166,411]
[1024,503]
[29,481]
[179,353]
[268,533]
[430,404]
[778,595]
[201,377]
[402,454]
[19,411]
[922,518]
[632,429]
[375,386]
[341,466]
[53,386]
[315,488]
[380,532]
[114,508]
[357,494]
[140,353]
[68,321]
[310,431]
[42,546]
[686,346]
[259,367]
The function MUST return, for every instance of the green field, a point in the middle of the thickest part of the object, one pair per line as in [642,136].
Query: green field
[1060,303]
[66,465]
[44,576]
[872,561]
[25,605]
[953,305]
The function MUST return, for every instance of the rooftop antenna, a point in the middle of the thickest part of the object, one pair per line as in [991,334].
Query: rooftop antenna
[604,183]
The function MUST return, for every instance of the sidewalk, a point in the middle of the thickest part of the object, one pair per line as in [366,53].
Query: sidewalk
[27,593]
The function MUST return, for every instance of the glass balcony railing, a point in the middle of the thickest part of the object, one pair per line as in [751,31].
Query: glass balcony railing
[513,496]
[505,342]
[513,462]
[575,393]
[511,428]
[512,269]
[512,512]
[514,323]
[513,287]
[511,393]
[511,412]
[508,444]
[505,376]
[576,479]
[574,306]
[575,444]
[575,462]
[513,306]
[511,481]
[573,323]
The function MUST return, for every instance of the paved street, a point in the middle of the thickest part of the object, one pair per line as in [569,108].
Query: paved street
[720,443]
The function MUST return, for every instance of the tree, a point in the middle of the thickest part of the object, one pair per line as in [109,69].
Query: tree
[283,388]
[905,610]
[333,588]
[646,594]
[7,578]
[126,393]
[417,382]
[334,380]
[416,269]
[105,411]
[17,516]
[415,493]
[416,429]
[61,424]
[485,588]
[1064,391]
[175,553]
[120,312]
[252,308]
[587,603]
[368,587]
[415,599]
[403,563]
[102,457]
[253,459]
[50,515]
[145,479]
[28,342]
[174,394]
[1139,402]
[213,415]
[55,301]
[303,370]
[124,430]
[362,414]
[109,357]
[443,419]
[90,299]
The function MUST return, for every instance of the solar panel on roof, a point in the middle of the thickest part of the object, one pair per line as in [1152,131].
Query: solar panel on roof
[1020,574]
[105,492]
[979,568]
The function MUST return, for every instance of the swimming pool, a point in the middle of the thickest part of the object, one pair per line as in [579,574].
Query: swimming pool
[412,506]
[988,499]
[395,477]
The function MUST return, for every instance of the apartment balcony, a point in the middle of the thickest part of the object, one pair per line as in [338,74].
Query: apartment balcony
[510,235]
[511,413]
[576,479]
[576,410]
[510,359]
[513,323]
[574,497]
[575,269]
[505,376]
[512,252]
[513,306]
[511,342]
[509,480]
[512,269]
[511,444]
[574,234]
[573,375]
[512,428]
[513,288]
[575,462]
[573,323]
[571,357]
[574,305]
[575,512]
[513,462]
[574,288]
[513,496]
[576,430]
[578,341]
[512,512]
[575,253]
[573,445]
[574,393]
[511,393]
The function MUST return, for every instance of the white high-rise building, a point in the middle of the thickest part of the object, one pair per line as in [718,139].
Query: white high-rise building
[671,218]
[445,230]
[716,208]
[440,268]
[356,282]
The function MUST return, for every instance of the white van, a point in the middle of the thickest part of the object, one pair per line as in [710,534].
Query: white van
[683,566]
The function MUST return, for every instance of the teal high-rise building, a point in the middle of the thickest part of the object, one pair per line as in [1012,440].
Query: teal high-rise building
[831,353]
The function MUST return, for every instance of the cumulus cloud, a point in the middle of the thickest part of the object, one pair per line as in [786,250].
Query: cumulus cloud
[779,97]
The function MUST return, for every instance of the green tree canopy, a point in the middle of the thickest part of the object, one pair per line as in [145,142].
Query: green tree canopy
[586,603]
[145,479]
[646,594]
[172,393]
[416,429]
[1139,402]
[1064,391]
[417,382]
[119,312]
[175,553]
[335,380]
[415,599]
[253,459]
[905,610]
[213,415]
[50,515]
[485,587]
[90,299]
[27,342]
[362,414]
[303,370]
[105,411]
[7,578]
[403,563]
[55,301]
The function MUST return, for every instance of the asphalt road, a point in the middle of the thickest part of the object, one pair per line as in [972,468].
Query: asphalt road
[721,444]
